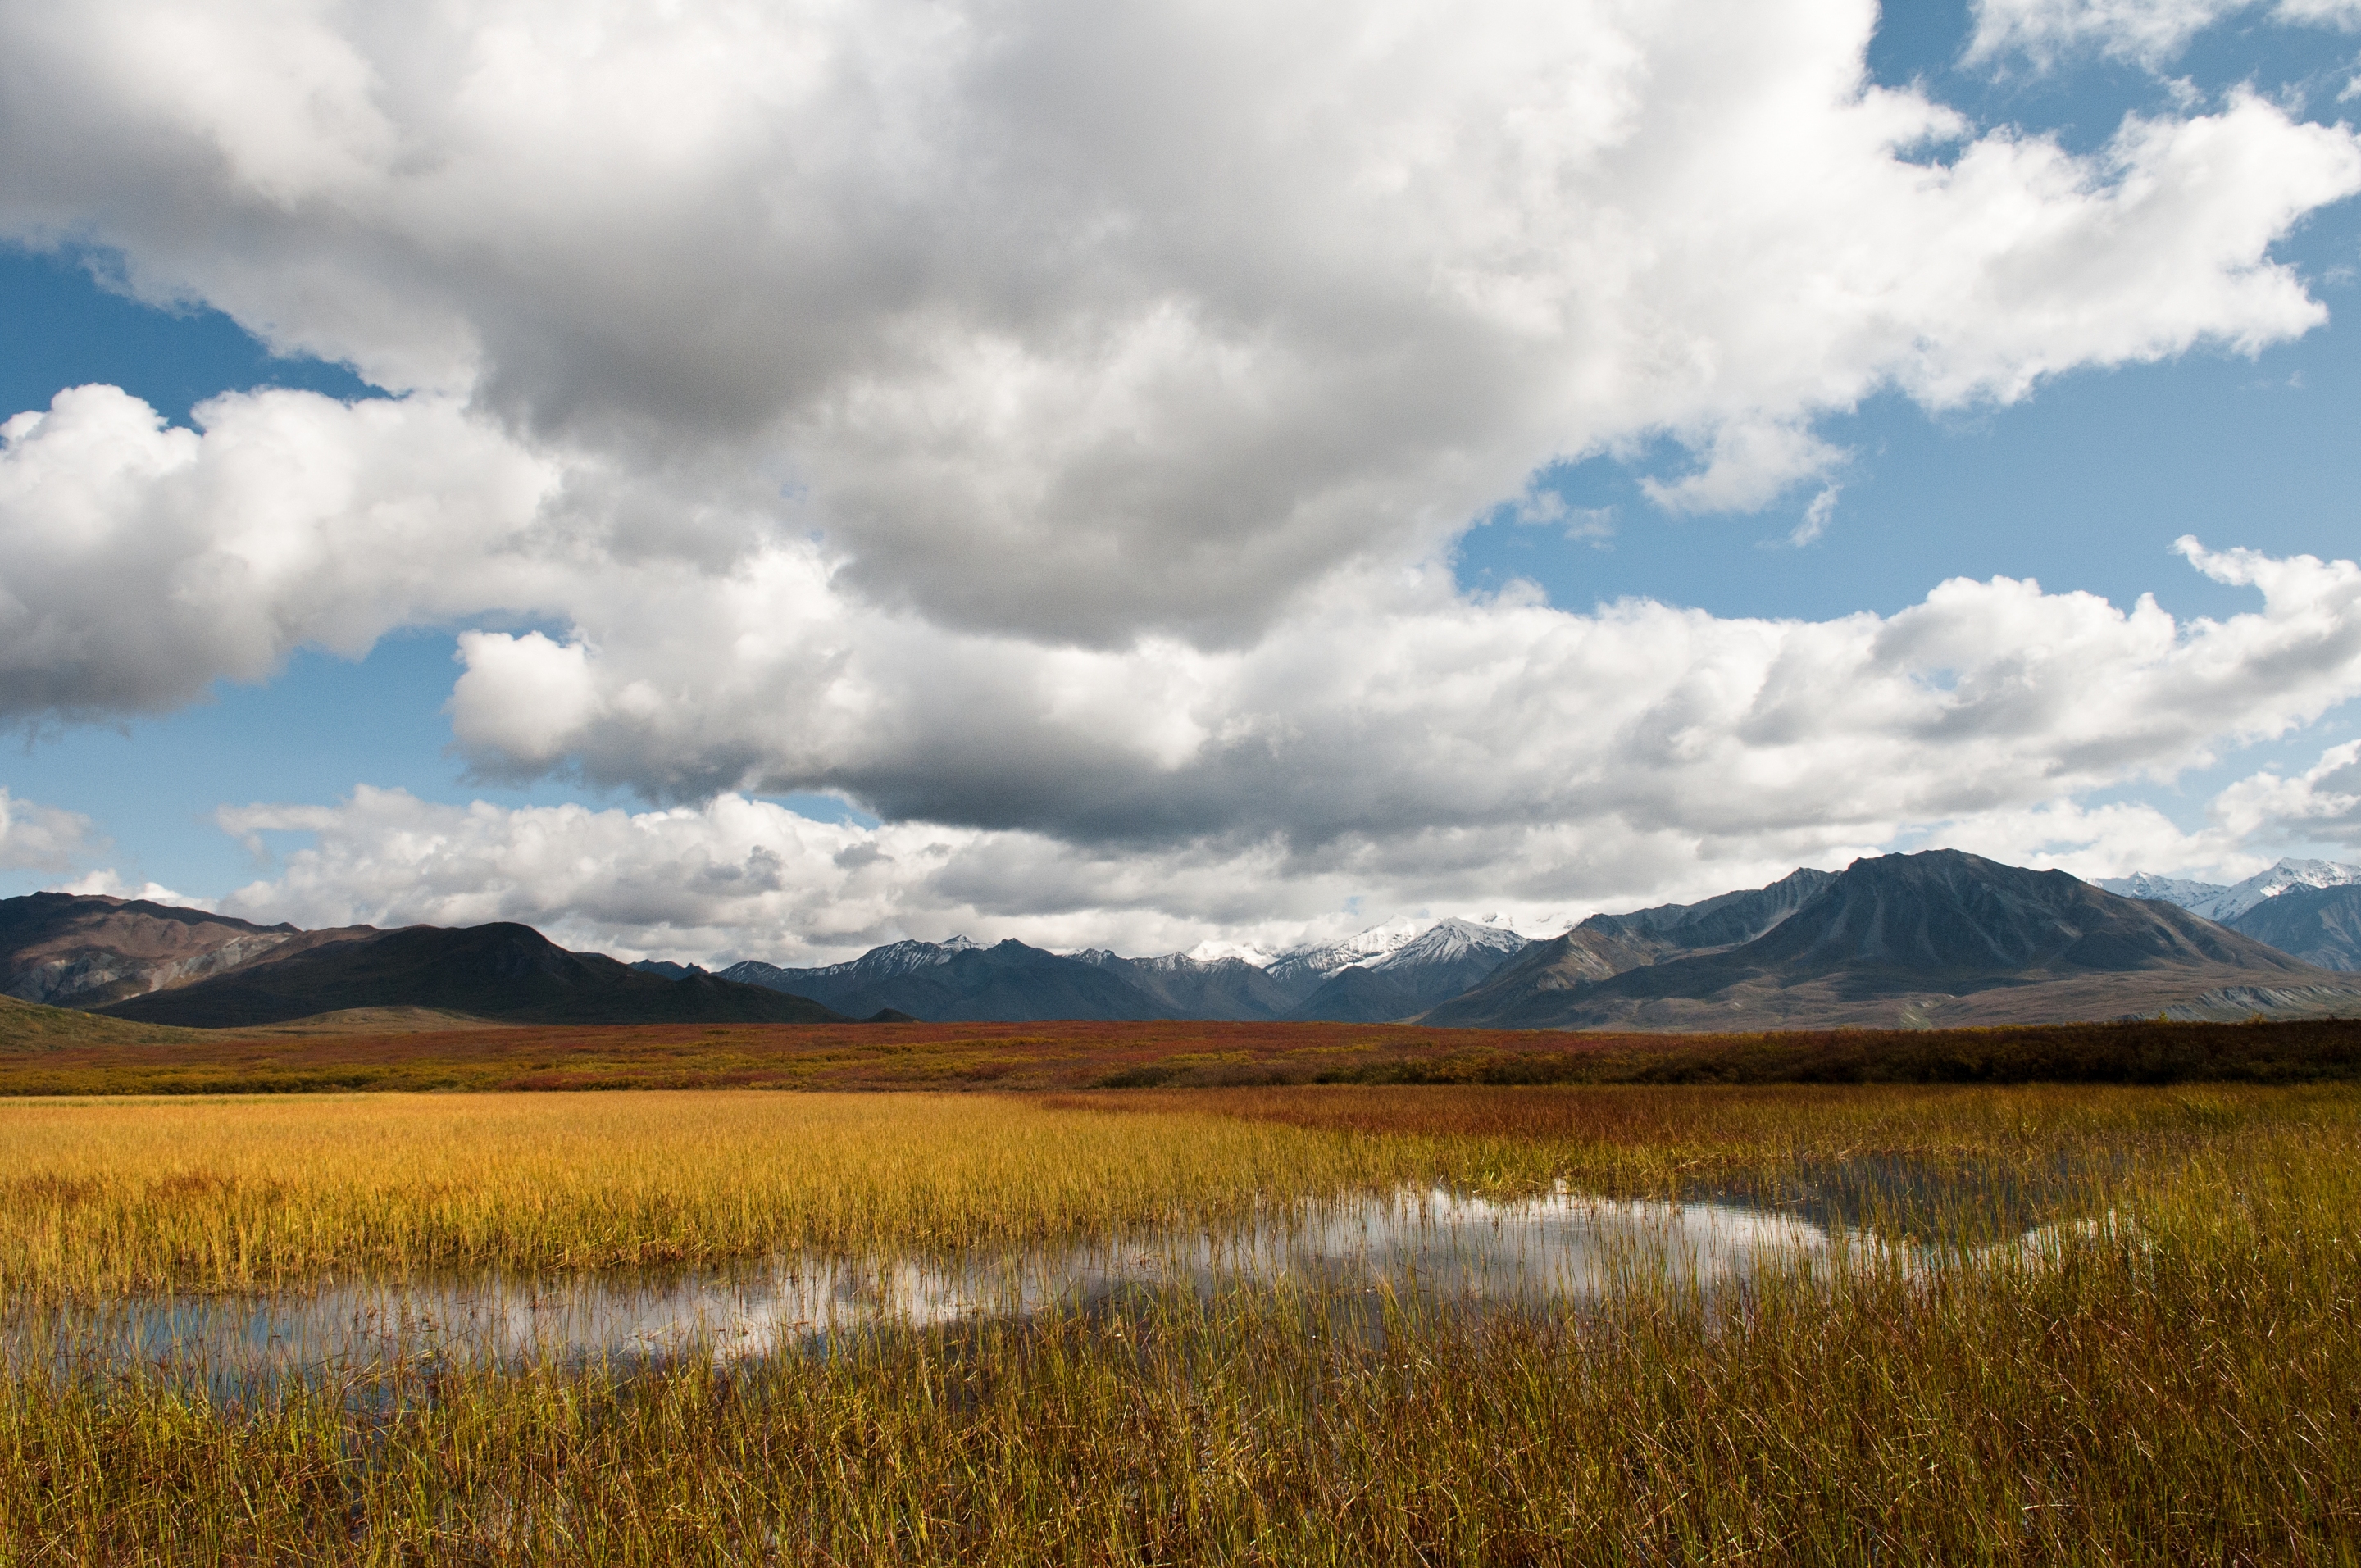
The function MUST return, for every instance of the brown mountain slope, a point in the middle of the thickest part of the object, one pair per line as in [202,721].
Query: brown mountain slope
[84,950]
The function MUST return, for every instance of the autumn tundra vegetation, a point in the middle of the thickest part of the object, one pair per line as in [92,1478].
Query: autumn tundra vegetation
[2041,1323]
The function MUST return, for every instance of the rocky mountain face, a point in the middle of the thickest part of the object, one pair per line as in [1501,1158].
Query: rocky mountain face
[1529,986]
[1938,938]
[505,971]
[2224,903]
[84,950]
[2321,926]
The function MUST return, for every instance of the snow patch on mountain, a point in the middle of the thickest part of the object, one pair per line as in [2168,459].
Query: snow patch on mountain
[1322,959]
[2216,903]
[1213,950]
[895,958]
[2171,890]
[1447,941]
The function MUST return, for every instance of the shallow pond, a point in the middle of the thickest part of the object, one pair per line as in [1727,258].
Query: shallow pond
[1416,1247]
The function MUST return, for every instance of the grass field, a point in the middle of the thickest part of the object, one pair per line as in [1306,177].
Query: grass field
[2175,1376]
[46,1051]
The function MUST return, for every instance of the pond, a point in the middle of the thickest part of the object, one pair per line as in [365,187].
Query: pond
[1414,1248]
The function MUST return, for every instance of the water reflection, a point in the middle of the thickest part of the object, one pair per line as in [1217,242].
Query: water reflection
[1430,1247]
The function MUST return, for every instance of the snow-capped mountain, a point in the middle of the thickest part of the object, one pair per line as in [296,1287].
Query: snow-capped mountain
[1449,941]
[2171,890]
[1307,966]
[2223,905]
[1439,963]
[876,964]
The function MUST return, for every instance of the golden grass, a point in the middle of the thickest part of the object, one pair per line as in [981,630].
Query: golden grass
[117,1194]
[2184,1386]
[105,1196]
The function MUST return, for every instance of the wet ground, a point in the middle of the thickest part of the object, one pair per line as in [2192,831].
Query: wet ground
[1426,1248]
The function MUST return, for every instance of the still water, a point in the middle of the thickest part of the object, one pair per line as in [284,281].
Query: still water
[1415,1247]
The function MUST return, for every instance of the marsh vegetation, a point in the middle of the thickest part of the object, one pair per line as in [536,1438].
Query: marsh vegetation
[2024,1325]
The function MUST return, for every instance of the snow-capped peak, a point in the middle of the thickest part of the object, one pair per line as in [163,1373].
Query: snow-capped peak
[2214,902]
[1448,940]
[2171,890]
[1324,959]
[900,958]
[1213,950]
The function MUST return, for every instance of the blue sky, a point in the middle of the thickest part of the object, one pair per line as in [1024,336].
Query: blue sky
[2084,485]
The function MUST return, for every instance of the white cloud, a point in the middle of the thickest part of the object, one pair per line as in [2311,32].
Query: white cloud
[109,884]
[1424,753]
[34,836]
[141,562]
[1074,320]
[1394,706]
[2150,32]
[1816,517]
[738,878]
[2321,805]
[1048,419]
[2093,842]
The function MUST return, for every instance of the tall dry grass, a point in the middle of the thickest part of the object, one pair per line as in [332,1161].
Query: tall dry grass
[2170,1374]
[105,1196]
[108,1196]
[2183,1389]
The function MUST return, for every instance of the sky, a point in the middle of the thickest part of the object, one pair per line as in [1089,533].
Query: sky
[716,483]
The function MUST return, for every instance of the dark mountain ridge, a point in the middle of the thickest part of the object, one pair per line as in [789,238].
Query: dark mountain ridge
[1936,937]
[501,970]
[2321,926]
[961,982]
[1200,988]
[1527,987]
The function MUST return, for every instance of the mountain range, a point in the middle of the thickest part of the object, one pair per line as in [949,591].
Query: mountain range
[1935,938]
[159,964]
[1939,938]
[2310,908]
[1370,980]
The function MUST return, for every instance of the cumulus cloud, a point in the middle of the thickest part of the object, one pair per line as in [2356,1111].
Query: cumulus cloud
[1397,706]
[742,878]
[142,563]
[2093,842]
[34,836]
[2150,32]
[1442,755]
[110,883]
[1079,322]
[2321,805]
[1045,424]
